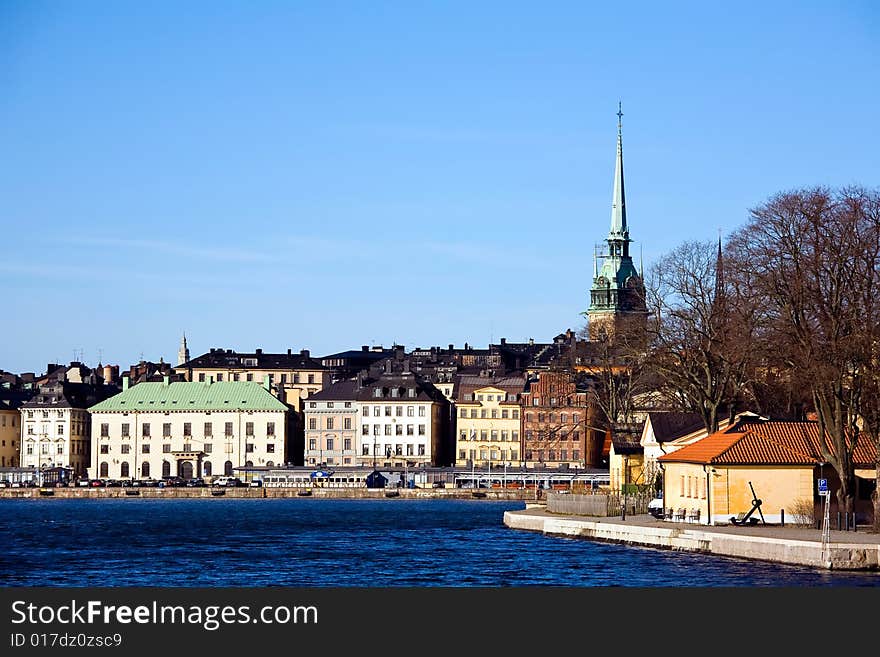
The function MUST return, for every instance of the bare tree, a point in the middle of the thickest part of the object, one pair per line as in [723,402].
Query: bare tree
[699,330]
[814,255]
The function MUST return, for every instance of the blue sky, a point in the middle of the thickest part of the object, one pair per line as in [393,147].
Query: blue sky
[325,175]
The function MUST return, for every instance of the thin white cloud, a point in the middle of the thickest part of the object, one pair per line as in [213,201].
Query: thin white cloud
[205,252]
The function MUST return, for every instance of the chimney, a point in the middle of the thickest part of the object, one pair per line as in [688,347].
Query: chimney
[364,348]
[304,353]
[259,352]
[503,340]
[125,382]
[289,351]
[451,346]
[266,382]
[166,380]
[531,341]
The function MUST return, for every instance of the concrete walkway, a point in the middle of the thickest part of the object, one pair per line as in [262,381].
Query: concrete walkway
[795,545]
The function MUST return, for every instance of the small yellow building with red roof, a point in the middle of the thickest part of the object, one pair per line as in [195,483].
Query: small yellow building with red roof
[712,480]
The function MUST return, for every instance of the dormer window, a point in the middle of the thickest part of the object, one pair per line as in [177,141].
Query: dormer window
[377,392]
[411,392]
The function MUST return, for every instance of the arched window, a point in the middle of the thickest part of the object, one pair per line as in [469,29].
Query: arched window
[206,468]
[166,469]
[269,464]
[104,469]
[249,464]
[227,468]
[123,469]
[145,469]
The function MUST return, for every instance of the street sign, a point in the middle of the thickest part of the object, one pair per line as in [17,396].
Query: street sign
[823,486]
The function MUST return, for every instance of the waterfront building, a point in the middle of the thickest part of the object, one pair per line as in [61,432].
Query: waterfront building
[712,479]
[331,425]
[488,421]
[186,429]
[346,364]
[617,296]
[403,419]
[55,422]
[559,427]
[10,425]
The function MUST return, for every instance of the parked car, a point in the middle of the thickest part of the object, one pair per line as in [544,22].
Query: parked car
[256,483]
[226,480]
[95,483]
[172,482]
[195,483]
[438,484]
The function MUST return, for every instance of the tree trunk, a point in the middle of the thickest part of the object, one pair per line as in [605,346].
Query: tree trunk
[875,497]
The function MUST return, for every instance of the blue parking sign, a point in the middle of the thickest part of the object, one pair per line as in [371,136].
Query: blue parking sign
[823,485]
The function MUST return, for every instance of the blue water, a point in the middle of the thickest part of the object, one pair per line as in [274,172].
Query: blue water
[297,542]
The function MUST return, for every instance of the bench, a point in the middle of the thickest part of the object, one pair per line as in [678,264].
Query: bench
[680,514]
[694,515]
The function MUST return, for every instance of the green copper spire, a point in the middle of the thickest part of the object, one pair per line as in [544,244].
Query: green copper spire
[619,228]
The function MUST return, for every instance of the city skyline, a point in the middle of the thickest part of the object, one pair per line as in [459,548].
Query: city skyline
[329,176]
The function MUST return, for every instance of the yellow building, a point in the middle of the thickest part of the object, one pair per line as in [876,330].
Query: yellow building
[712,480]
[10,434]
[488,421]
[293,377]
[626,461]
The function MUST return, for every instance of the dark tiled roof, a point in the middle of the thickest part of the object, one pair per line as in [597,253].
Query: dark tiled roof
[399,384]
[339,391]
[70,395]
[669,425]
[227,358]
[626,443]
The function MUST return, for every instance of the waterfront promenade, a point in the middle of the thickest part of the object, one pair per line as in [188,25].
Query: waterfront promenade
[789,544]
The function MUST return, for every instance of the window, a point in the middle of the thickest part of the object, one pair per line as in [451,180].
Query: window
[515,414]
[514,455]
[219,376]
[166,468]
[540,417]
[228,429]
[145,469]
[346,423]
[249,428]
[209,429]
[60,449]
[313,423]
[249,447]
[484,435]
[346,444]
[104,469]
[105,449]
[410,410]
[575,455]
[387,429]
[494,435]
[187,428]
[270,448]
[473,412]
[166,429]
[421,411]
[504,413]
[365,430]
[166,448]
[187,447]
[206,468]
[329,422]
[494,412]
[313,444]
[551,456]
[398,411]
[464,412]
[504,435]
[270,428]
[462,435]
[388,411]
[409,429]
[536,401]
[209,447]
[377,429]
[482,412]
[145,448]
[105,430]
[250,376]
[682,486]
[365,449]
[461,455]
[421,450]
[398,430]
[703,488]
[201,377]
[60,430]
[125,426]
[126,449]
[329,444]
[421,429]
[235,377]
[366,411]
[311,378]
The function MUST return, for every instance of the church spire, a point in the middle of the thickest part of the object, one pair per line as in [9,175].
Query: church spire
[619,228]
[183,352]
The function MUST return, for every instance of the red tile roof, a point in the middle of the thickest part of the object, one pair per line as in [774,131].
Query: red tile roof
[764,443]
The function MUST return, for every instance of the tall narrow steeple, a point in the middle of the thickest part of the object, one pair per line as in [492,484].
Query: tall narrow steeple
[183,352]
[619,228]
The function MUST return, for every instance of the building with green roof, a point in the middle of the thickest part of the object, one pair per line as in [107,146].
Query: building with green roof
[187,429]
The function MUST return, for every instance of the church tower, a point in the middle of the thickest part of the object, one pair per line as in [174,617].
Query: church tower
[183,352]
[617,297]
